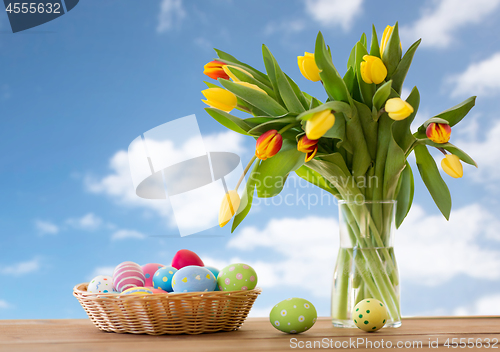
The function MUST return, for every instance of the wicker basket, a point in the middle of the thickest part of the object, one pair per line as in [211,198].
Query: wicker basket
[168,313]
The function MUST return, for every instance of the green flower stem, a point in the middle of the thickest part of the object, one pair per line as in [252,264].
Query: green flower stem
[287,127]
[245,172]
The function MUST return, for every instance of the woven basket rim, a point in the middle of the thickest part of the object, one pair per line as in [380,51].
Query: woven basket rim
[80,290]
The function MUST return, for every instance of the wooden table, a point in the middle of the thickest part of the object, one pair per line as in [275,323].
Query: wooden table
[257,334]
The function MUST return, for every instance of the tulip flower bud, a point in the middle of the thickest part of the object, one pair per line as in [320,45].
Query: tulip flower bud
[215,69]
[268,144]
[372,70]
[228,72]
[398,109]
[319,123]
[385,39]
[308,146]
[452,166]
[308,67]
[438,132]
[220,99]
[250,85]
[228,207]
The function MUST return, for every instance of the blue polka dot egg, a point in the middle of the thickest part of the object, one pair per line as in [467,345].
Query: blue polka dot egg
[193,278]
[293,315]
[162,278]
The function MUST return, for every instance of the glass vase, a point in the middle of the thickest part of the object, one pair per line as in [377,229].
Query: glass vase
[366,266]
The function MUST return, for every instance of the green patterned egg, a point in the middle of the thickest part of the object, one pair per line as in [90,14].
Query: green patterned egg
[237,277]
[370,314]
[293,315]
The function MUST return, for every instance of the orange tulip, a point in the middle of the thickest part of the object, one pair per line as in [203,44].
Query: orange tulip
[214,69]
[438,132]
[268,144]
[308,146]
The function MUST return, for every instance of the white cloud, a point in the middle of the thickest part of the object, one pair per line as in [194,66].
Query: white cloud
[333,13]
[127,234]
[480,78]
[285,26]
[22,268]
[46,227]
[431,250]
[118,184]
[101,270]
[488,170]
[87,222]
[486,305]
[4,304]
[171,14]
[440,21]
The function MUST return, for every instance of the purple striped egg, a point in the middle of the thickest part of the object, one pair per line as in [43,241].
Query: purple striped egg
[127,275]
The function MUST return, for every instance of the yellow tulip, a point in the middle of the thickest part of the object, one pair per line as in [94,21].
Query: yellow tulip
[231,75]
[308,67]
[398,109]
[228,207]
[250,85]
[319,123]
[385,39]
[452,166]
[373,69]
[220,99]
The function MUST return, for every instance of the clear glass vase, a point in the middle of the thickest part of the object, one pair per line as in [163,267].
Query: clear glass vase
[366,266]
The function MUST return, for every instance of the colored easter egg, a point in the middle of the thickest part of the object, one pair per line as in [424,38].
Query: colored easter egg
[370,315]
[127,275]
[149,270]
[156,290]
[293,315]
[214,271]
[162,278]
[185,257]
[193,279]
[137,291]
[101,284]
[236,277]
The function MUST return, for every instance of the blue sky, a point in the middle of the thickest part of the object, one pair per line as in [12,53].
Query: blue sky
[76,91]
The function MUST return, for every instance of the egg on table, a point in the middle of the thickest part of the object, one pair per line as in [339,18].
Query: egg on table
[101,284]
[236,277]
[162,278]
[127,275]
[370,315]
[193,279]
[293,315]
[149,270]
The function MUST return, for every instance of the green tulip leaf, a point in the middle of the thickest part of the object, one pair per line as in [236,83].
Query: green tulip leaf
[336,106]
[433,180]
[435,120]
[374,48]
[364,41]
[292,102]
[316,179]
[274,124]
[227,120]
[260,100]
[314,103]
[231,60]
[349,78]
[247,198]
[272,173]
[406,190]
[367,89]
[242,76]
[401,129]
[351,62]
[392,52]
[369,126]
[211,85]
[381,95]
[394,165]
[269,64]
[361,158]
[449,147]
[400,74]
[455,114]
[300,95]
[333,83]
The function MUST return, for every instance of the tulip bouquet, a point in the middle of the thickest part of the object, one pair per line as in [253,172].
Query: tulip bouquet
[354,145]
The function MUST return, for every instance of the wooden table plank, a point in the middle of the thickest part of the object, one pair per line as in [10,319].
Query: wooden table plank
[257,334]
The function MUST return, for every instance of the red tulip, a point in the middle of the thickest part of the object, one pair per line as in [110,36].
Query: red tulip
[268,144]
[438,132]
[214,70]
[308,146]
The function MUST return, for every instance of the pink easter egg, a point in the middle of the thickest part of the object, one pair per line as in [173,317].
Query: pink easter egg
[149,270]
[185,257]
[127,275]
